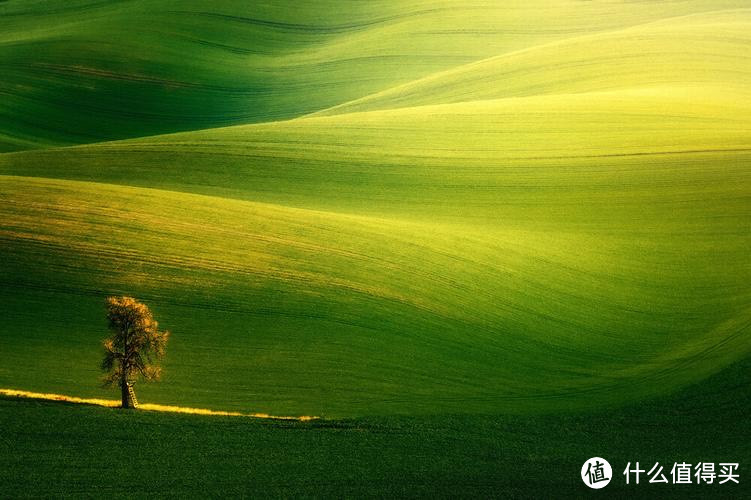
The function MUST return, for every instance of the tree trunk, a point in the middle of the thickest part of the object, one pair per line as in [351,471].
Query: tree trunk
[124,371]
[125,395]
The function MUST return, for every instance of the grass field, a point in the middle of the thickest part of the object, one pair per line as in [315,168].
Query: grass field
[128,69]
[467,456]
[466,220]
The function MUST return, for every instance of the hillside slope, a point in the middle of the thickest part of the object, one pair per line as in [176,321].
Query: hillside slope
[701,50]
[536,260]
[561,224]
[318,313]
[85,71]
[592,160]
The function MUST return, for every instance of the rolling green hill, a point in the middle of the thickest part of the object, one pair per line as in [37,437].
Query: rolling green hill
[503,268]
[504,162]
[447,208]
[84,71]
[698,51]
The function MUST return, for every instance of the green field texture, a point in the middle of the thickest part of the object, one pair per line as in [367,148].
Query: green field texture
[542,282]
[699,51]
[86,71]
[511,162]
[457,456]
[431,219]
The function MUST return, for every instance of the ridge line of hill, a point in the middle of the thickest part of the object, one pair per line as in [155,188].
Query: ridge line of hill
[480,62]
[147,142]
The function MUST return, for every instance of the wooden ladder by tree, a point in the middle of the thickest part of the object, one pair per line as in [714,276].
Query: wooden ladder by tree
[132,396]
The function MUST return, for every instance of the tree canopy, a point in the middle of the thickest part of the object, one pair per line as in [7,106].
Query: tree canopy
[135,347]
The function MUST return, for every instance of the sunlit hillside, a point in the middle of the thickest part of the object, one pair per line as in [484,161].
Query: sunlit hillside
[366,208]
[83,71]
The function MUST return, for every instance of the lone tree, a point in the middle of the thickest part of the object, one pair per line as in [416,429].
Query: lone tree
[135,347]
